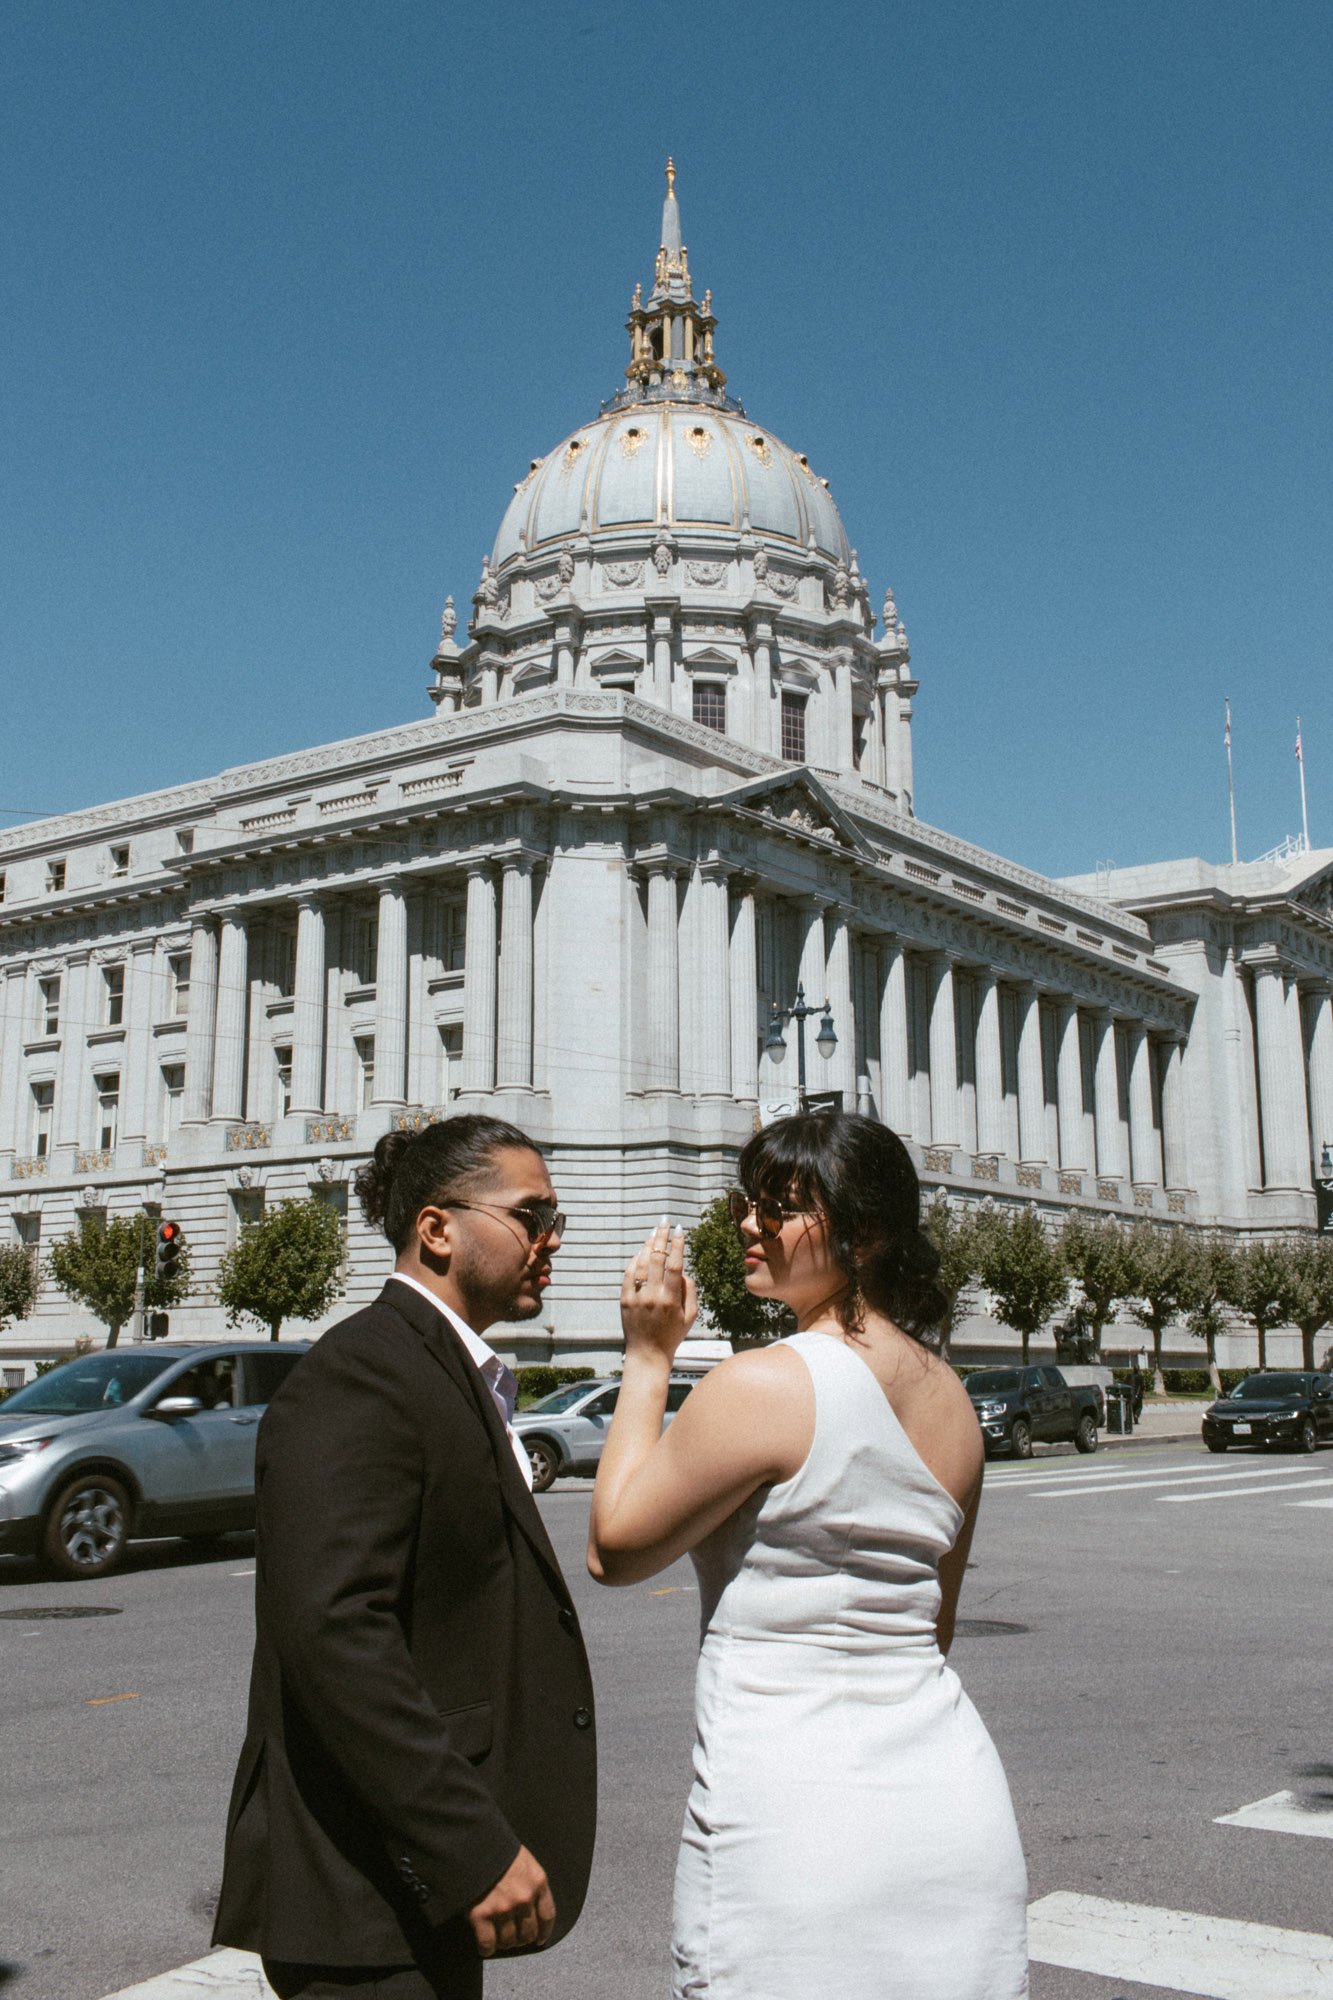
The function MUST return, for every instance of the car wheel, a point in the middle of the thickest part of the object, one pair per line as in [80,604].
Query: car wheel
[1020,1438]
[88,1528]
[1216,1444]
[1307,1437]
[544,1461]
[1085,1437]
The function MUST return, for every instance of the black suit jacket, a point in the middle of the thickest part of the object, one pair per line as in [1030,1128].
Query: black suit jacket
[420,1702]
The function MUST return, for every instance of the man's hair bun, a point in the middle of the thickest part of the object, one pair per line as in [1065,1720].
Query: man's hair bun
[409,1171]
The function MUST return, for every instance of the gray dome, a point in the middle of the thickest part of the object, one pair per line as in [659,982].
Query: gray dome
[671,465]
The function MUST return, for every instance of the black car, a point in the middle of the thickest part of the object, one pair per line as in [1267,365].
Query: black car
[1291,1409]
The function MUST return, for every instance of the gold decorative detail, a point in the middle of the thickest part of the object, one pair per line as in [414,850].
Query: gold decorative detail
[572,450]
[937,1160]
[31,1169]
[700,440]
[327,1131]
[92,1163]
[759,446]
[153,1156]
[1028,1177]
[679,380]
[1071,1183]
[249,1138]
[804,464]
[1143,1197]
[671,175]
[985,1167]
[1108,1190]
[1176,1203]
[632,441]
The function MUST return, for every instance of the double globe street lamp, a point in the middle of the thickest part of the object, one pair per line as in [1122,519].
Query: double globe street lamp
[775,1043]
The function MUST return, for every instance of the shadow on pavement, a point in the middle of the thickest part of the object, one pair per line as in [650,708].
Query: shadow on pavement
[168,1553]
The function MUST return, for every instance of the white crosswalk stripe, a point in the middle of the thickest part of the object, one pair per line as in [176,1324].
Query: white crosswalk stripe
[1216,1957]
[1291,1486]
[1169,1484]
[1282,1812]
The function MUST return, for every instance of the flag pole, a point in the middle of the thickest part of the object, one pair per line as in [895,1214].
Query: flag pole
[1231,782]
[1300,761]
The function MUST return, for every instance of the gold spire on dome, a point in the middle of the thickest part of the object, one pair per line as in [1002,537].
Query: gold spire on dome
[671,336]
[671,175]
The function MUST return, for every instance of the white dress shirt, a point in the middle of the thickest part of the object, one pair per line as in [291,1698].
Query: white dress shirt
[500,1381]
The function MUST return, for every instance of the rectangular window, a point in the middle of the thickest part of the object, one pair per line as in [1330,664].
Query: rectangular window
[365,1060]
[710,705]
[364,947]
[49,996]
[2,886]
[173,1099]
[14,1378]
[43,1109]
[114,977]
[793,728]
[283,1059]
[247,1206]
[55,877]
[451,1061]
[108,1110]
[284,962]
[860,739]
[120,860]
[28,1229]
[453,936]
[178,968]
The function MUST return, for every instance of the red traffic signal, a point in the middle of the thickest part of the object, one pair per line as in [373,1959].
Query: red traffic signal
[170,1241]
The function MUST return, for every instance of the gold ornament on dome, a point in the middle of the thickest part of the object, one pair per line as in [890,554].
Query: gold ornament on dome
[804,464]
[632,441]
[572,450]
[699,440]
[759,446]
[678,379]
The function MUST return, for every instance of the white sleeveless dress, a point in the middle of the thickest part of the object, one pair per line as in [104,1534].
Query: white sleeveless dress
[849,1834]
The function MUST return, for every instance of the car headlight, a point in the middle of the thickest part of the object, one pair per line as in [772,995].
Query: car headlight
[987,1410]
[16,1448]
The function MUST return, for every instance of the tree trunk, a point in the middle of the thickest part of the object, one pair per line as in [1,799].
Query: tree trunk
[273,1327]
[1308,1333]
[1027,1340]
[113,1334]
[1214,1372]
[1262,1332]
[1158,1379]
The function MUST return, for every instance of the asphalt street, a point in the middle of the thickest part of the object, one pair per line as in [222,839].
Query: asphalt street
[1146,1635]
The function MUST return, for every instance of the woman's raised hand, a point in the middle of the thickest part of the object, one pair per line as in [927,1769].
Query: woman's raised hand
[657,1299]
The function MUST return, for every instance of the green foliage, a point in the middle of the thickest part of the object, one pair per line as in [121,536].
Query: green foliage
[1023,1270]
[956,1234]
[539,1381]
[285,1265]
[1258,1284]
[1203,1295]
[1158,1279]
[1309,1289]
[97,1266]
[716,1260]
[1095,1253]
[18,1282]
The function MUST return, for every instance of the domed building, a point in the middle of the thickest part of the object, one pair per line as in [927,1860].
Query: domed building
[663,794]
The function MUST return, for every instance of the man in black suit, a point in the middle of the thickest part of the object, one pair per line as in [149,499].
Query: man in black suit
[417,1786]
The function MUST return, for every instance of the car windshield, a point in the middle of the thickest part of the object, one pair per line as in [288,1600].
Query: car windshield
[93,1382]
[561,1399]
[1270,1385]
[992,1382]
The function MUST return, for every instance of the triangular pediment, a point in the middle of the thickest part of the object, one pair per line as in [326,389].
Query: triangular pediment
[1316,892]
[797,800]
[616,658]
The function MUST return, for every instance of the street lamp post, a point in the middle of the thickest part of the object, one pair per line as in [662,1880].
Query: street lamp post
[1324,1190]
[775,1043]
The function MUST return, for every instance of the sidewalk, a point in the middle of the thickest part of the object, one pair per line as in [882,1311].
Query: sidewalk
[1161,1423]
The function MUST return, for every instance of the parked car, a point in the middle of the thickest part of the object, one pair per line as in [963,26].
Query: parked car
[133,1442]
[1020,1407]
[566,1431]
[1293,1409]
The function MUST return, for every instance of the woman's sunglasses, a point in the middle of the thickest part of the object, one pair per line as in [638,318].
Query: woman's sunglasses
[769,1213]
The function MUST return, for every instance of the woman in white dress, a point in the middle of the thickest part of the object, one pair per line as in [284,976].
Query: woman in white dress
[849,1834]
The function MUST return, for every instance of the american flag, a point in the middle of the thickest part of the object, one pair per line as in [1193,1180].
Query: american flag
[1226,738]
[1300,754]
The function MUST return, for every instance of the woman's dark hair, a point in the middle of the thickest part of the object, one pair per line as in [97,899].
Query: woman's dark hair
[859,1176]
[409,1171]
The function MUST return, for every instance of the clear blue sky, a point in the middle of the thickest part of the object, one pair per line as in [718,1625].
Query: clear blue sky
[295,291]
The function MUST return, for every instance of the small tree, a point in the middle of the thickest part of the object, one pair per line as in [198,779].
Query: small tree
[1095,1255]
[1023,1270]
[1309,1299]
[1204,1295]
[1158,1272]
[18,1282]
[285,1265]
[956,1234]
[98,1264]
[1258,1281]
[716,1258]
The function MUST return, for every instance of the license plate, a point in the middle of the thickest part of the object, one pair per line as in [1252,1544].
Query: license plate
[1242,1430]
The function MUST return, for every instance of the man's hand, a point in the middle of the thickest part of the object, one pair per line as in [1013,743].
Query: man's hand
[519,1910]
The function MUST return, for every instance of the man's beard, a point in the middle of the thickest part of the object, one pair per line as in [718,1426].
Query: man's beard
[491,1293]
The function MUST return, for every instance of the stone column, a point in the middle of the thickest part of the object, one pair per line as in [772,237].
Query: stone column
[743,984]
[479,966]
[199,1022]
[13,992]
[991,1135]
[1069,1087]
[663,979]
[75,1007]
[1144,1157]
[840,1070]
[1175,1150]
[843,725]
[138,1062]
[391,996]
[229,1033]
[1276,1074]
[660,691]
[1106,1090]
[894,1078]
[1298,1089]
[308,1011]
[712,984]
[1321,1070]
[1031,1079]
[943,1054]
[513,1056]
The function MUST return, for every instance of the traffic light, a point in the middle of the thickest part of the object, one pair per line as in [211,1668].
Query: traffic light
[159,1326]
[170,1243]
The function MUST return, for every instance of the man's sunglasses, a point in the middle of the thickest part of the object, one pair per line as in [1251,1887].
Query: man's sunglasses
[769,1213]
[539,1218]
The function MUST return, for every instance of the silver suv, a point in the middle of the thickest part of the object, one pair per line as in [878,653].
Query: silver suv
[133,1442]
[566,1431]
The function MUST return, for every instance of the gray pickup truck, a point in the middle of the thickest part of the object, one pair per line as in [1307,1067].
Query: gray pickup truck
[1020,1407]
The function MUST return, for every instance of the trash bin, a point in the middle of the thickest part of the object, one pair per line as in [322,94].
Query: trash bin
[1119,1411]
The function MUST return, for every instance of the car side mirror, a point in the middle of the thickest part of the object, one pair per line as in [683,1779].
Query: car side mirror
[176,1406]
